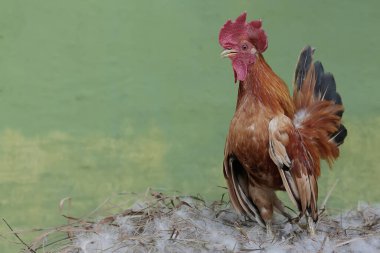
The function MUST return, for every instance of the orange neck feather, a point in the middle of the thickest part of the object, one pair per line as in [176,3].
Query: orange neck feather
[266,88]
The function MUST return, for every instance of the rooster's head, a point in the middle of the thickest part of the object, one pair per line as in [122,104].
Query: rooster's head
[242,41]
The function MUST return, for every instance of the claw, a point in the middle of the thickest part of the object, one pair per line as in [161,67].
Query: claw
[294,220]
[269,230]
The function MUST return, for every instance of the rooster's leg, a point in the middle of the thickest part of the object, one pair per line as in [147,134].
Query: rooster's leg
[264,200]
[269,229]
[311,226]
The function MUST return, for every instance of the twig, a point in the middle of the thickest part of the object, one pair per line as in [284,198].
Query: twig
[18,237]
[53,242]
[323,245]
[349,241]
[250,250]
[328,195]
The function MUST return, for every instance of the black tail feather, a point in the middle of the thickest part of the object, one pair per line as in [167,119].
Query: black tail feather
[303,66]
[340,135]
[338,100]
[325,86]
[319,72]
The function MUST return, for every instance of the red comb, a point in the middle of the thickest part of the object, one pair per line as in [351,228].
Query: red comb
[233,32]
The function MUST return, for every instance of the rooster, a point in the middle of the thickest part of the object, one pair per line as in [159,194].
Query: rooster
[275,141]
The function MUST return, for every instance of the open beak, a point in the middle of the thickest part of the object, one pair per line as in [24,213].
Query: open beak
[227,53]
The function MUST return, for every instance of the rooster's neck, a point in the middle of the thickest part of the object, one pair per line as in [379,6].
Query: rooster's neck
[262,86]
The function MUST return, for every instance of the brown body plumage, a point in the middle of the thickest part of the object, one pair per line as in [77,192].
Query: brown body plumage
[275,141]
[248,137]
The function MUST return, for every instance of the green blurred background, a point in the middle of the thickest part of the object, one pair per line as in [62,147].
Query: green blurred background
[99,97]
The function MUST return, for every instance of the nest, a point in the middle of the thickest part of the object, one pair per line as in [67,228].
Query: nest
[160,222]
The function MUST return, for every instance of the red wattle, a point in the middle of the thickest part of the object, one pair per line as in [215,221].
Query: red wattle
[240,69]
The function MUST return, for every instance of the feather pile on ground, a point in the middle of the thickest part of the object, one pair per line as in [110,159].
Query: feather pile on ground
[174,223]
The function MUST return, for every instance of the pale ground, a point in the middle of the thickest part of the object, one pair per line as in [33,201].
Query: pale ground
[162,223]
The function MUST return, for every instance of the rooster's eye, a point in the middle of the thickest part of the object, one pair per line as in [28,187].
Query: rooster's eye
[244,47]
